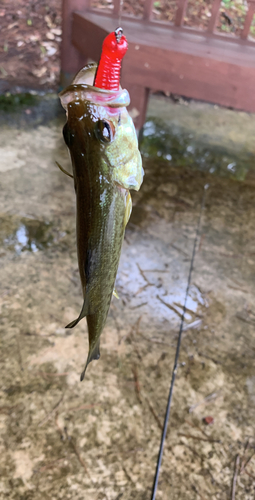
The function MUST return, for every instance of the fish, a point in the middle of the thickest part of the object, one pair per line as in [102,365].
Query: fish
[106,164]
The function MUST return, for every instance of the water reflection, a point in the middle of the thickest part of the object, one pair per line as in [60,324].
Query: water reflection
[25,235]
[173,144]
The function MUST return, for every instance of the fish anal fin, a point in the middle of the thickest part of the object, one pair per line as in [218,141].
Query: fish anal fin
[115,293]
[94,353]
[63,170]
[86,309]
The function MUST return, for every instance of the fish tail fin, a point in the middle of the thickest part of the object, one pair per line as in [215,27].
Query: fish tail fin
[84,312]
[93,354]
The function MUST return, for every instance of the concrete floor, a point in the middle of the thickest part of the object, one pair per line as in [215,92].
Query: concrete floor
[99,439]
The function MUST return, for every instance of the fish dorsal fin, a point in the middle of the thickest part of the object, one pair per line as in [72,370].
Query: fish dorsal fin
[63,170]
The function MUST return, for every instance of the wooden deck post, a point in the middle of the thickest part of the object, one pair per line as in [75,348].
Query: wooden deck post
[71,58]
[116,8]
[147,11]
[248,19]
[214,16]
[181,9]
[138,103]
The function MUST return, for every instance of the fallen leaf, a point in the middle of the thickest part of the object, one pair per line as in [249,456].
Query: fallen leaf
[56,31]
[40,72]
[50,35]
[49,22]
[12,25]
[50,49]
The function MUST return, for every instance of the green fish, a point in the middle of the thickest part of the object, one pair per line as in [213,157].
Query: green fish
[106,163]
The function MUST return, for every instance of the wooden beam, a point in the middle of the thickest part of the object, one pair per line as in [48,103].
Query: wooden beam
[181,10]
[85,32]
[214,16]
[248,19]
[139,96]
[70,57]
[147,11]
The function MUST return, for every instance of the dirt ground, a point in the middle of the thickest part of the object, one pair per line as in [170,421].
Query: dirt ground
[99,439]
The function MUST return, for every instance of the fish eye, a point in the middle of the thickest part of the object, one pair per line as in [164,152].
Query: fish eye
[104,131]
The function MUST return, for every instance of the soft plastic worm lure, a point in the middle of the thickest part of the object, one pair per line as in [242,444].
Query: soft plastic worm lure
[108,73]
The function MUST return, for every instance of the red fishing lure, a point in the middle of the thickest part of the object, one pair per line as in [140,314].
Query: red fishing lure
[108,72]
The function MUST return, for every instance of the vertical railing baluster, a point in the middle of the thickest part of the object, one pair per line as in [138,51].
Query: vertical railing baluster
[116,8]
[147,11]
[248,19]
[214,16]
[181,10]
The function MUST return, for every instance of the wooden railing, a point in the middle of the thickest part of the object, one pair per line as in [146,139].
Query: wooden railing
[181,10]
[202,64]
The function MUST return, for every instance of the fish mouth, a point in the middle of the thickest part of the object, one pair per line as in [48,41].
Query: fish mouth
[101,97]
[82,88]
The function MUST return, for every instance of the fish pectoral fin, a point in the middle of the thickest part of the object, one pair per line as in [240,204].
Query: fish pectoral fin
[115,293]
[63,170]
[94,353]
[86,309]
[128,209]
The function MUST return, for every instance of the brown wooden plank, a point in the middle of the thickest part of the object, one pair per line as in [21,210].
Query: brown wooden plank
[137,22]
[181,9]
[196,77]
[214,16]
[248,20]
[147,11]
[229,50]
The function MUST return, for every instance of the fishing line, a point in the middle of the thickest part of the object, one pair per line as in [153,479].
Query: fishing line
[174,372]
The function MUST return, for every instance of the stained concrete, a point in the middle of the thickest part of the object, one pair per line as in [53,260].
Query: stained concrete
[99,439]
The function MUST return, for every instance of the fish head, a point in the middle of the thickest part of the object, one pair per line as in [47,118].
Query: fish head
[100,130]
[87,134]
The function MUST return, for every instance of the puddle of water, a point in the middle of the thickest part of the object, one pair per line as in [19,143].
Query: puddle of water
[175,146]
[26,109]
[155,289]
[10,103]
[24,234]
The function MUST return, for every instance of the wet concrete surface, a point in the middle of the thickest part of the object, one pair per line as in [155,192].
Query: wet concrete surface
[99,439]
